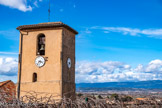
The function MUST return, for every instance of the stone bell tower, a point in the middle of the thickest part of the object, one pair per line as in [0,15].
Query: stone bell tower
[47,59]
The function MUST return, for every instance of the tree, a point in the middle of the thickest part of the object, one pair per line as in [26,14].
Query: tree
[126,99]
[100,97]
[115,96]
[79,94]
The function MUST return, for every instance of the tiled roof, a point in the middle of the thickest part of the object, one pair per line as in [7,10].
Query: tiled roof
[46,25]
[4,82]
[7,90]
[141,98]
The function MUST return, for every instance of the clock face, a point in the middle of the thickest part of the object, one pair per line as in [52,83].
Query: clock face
[40,61]
[69,63]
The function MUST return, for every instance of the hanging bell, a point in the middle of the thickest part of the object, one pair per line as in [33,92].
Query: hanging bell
[42,48]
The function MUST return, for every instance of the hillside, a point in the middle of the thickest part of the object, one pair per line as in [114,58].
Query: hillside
[154,84]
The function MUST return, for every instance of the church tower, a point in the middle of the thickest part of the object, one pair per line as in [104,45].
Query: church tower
[47,59]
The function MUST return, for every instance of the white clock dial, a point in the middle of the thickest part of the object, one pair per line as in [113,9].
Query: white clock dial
[40,61]
[69,63]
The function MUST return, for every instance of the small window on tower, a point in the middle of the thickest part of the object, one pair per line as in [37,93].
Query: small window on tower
[34,77]
[41,44]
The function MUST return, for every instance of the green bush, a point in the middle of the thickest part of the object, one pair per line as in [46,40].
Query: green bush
[100,97]
[79,94]
[115,96]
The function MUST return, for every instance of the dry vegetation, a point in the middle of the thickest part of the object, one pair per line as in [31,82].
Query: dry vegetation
[31,100]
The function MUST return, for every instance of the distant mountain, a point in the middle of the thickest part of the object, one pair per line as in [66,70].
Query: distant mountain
[154,84]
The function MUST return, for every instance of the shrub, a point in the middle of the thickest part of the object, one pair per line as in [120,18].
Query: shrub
[115,96]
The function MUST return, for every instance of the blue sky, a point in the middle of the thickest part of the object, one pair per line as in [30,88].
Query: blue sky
[119,40]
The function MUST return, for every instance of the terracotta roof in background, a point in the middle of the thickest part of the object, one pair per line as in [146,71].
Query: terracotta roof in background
[7,90]
[46,25]
[4,82]
[141,98]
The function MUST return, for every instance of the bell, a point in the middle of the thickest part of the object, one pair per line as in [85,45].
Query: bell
[42,47]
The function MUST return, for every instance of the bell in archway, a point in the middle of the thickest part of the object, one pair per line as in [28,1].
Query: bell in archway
[42,48]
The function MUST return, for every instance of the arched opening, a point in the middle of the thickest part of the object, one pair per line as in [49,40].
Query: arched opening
[34,77]
[41,44]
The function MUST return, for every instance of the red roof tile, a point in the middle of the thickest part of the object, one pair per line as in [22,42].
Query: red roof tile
[4,82]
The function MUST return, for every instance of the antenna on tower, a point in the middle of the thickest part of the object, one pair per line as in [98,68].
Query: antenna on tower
[49,12]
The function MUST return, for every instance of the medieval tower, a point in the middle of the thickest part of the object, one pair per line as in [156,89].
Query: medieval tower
[47,59]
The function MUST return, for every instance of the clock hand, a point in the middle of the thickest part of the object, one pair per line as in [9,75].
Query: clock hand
[38,62]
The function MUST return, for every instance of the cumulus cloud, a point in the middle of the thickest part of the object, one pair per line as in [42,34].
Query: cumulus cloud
[8,66]
[109,71]
[157,33]
[21,5]
[94,68]
[113,71]
[154,66]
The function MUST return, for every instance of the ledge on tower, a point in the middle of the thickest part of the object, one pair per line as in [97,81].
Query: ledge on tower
[46,25]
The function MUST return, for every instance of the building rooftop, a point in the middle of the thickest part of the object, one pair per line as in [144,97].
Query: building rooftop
[7,90]
[141,98]
[4,82]
[46,25]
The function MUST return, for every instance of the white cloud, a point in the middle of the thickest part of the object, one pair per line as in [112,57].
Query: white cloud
[9,53]
[157,33]
[110,71]
[154,66]
[8,66]
[17,4]
[93,68]
[116,71]
[36,3]
[124,30]
[87,31]
[106,32]
[21,5]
